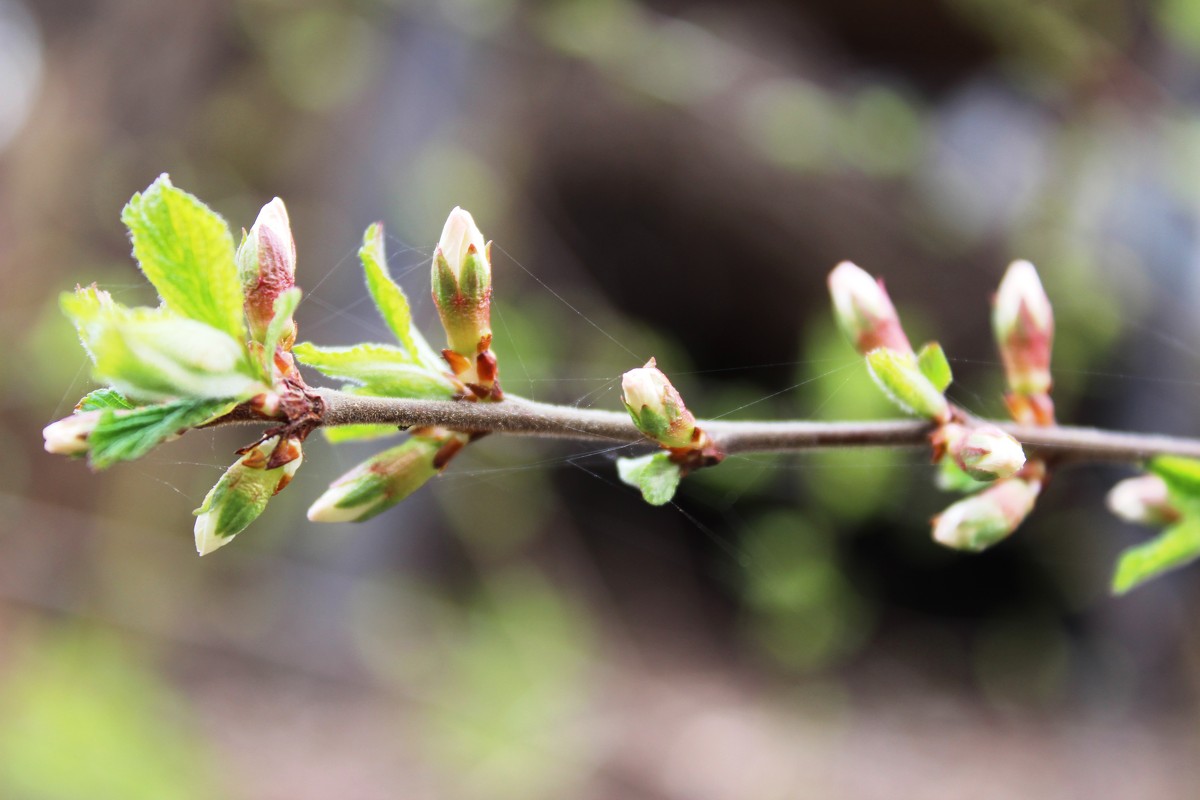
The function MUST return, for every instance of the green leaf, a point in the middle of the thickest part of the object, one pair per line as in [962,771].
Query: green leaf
[153,355]
[1182,476]
[655,475]
[101,399]
[383,370]
[337,434]
[1173,548]
[951,478]
[899,377]
[934,366]
[126,435]
[186,251]
[390,298]
[285,307]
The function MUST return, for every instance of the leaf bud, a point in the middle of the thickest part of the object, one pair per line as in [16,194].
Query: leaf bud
[899,376]
[1023,324]
[1143,500]
[243,492]
[981,520]
[656,407]
[385,479]
[462,285]
[68,436]
[266,262]
[984,451]
[864,311]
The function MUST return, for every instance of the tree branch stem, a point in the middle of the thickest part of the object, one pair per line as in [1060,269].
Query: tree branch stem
[522,417]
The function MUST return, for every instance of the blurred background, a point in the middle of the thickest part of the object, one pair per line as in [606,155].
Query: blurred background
[670,178]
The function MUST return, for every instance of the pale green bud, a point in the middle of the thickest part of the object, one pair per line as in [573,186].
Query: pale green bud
[984,451]
[981,520]
[385,479]
[462,284]
[656,407]
[1143,500]
[243,492]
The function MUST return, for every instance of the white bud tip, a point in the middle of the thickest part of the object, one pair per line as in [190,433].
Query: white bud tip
[1142,500]
[644,386]
[1021,286]
[458,235]
[207,539]
[990,454]
[68,436]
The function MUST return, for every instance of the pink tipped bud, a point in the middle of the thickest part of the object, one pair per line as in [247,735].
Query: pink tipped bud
[656,407]
[267,265]
[68,436]
[981,520]
[1023,324]
[1143,500]
[462,291]
[984,451]
[864,311]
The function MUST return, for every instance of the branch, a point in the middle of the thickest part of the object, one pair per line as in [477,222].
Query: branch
[522,417]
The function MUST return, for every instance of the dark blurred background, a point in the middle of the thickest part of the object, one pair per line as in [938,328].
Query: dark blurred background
[666,178]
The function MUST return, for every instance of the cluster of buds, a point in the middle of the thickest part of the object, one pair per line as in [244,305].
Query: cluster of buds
[462,291]
[916,382]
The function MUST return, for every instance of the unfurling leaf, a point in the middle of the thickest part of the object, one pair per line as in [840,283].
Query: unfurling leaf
[655,475]
[121,435]
[899,377]
[385,479]
[382,370]
[100,399]
[934,366]
[243,492]
[1182,476]
[186,251]
[391,301]
[1173,548]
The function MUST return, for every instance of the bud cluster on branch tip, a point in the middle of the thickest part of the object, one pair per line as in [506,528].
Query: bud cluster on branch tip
[1143,500]
[1023,324]
[981,450]
[656,407]
[385,479]
[242,493]
[462,291]
[864,311]
[981,520]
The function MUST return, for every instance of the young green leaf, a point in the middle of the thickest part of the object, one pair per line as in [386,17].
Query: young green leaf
[655,475]
[934,366]
[1171,549]
[101,399]
[355,433]
[242,493]
[383,370]
[126,435]
[899,377]
[281,323]
[1182,476]
[390,298]
[152,355]
[187,252]
[382,481]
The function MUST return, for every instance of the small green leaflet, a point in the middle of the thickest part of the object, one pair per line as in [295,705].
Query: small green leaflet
[101,399]
[1182,476]
[126,435]
[352,433]
[383,370]
[185,250]
[1175,547]
[899,377]
[655,475]
[285,307]
[391,300]
[934,366]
